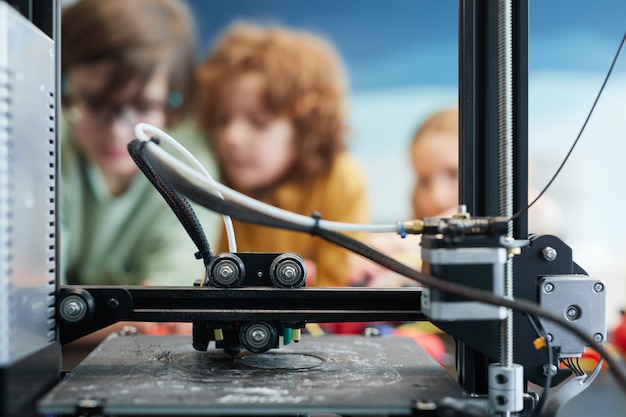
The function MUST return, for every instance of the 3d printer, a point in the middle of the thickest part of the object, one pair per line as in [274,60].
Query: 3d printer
[141,376]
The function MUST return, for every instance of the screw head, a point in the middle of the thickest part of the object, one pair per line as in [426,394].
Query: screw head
[258,335]
[113,303]
[598,287]
[288,271]
[572,313]
[549,369]
[73,308]
[598,337]
[225,271]
[549,253]
[548,287]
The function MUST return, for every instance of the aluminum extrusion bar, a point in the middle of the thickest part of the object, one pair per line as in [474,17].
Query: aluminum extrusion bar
[108,305]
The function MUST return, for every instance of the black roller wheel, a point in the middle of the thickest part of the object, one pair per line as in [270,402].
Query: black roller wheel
[226,270]
[288,271]
[258,336]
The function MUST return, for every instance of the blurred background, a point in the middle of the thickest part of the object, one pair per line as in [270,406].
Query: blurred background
[401,59]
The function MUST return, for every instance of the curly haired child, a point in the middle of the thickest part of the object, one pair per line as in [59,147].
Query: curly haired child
[272,103]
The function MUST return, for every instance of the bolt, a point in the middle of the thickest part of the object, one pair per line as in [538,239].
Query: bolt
[598,337]
[572,313]
[225,271]
[549,253]
[258,335]
[288,271]
[501,400]
[113,304]
[548,287]
[73,308]
[549,369]
[549,337]
[598,287]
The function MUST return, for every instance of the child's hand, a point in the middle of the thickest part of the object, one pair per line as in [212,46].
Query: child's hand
[365,273]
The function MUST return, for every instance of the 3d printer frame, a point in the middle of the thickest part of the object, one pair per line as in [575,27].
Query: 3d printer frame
[478,105]
[478,188]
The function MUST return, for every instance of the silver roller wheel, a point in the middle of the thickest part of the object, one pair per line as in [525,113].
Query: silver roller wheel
[288,271]
[226,270]
[258,337]
[73,309]
[75,306]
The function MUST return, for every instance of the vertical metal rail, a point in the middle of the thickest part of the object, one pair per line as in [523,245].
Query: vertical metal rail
[479,136]
[505,157]
[505,166]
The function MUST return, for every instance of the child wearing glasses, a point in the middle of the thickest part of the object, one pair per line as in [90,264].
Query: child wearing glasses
[125,62]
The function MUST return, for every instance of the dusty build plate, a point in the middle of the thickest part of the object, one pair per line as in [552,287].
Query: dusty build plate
[163,375]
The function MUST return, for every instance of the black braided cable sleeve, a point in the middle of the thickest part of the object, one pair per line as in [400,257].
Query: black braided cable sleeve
[177,202]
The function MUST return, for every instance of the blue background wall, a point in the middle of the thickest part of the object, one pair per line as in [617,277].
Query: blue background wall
[406,42]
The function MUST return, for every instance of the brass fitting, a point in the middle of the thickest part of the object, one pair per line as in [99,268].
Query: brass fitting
[411,227]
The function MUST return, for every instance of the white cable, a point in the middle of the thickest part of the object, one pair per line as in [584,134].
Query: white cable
[259,206]
[140,130]
[256,205]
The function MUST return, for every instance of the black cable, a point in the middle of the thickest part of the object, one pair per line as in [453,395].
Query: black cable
[578,366]
[582,129]
[536,324]
[571,365]
[574,365]
[203,197]
[179,204]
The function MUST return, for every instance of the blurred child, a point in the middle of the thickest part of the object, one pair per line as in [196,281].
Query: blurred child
[434,154]
[271,101]
[435,160]
[124,62]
